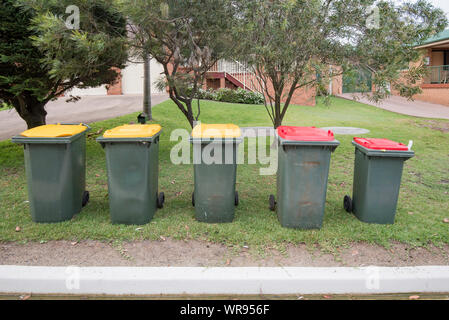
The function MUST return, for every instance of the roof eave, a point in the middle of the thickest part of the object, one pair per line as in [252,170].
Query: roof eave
[433,44]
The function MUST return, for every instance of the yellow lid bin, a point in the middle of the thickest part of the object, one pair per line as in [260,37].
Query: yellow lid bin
[132,161]
[133,131]
[54,131]
[216,131]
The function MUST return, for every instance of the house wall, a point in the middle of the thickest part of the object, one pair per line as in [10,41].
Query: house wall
[133,76]
[337,85]
[438,94]
[437,58]
[432,93]
[304,96]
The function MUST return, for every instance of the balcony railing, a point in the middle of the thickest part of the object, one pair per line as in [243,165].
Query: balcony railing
[242,72]
[437,75]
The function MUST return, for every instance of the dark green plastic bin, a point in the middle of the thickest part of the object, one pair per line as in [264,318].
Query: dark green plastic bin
[377,180]
[303,169]
[56,173]
[215,195]
[133,171]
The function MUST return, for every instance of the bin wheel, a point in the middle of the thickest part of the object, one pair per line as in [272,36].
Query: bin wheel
[237,201]
[86,197]
[193,198]
[272,202]
[347,203]
[160,200]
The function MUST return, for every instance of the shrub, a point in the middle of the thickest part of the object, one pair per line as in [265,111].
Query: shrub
[232,96]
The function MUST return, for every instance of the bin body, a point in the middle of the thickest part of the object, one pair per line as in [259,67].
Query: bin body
[214,184]
[215,178]
[56,175]
[377,182]
[303,169]
[133,171]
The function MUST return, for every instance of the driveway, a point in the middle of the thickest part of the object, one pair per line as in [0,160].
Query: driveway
[402,105]
[88,109]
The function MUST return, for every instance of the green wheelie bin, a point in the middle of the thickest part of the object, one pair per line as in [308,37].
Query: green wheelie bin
[304,155]
[55,164]
[215,148]
[132,160]
[377,179]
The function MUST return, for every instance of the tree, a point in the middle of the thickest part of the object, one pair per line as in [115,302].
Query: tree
[292,44]
[186,37]
[45,50]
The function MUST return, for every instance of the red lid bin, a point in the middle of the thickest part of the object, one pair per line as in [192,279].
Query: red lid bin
[380,144]
[305,134]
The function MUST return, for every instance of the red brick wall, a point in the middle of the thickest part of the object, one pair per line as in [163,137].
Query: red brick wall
[116,88]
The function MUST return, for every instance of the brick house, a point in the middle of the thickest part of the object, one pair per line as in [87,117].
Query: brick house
[225,74]
[435,86]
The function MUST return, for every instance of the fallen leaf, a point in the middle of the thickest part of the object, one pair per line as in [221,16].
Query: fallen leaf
[246,247]
[411,213]
[178,193]
[414,297]
[138,229]
[97,175]
[162,238]
[42,241]
[18,229]
[355,252]
[74,243]
[301,298]
[446,220]
[187,227]
[327,297]
[173,182]
[228,262]
[25,297]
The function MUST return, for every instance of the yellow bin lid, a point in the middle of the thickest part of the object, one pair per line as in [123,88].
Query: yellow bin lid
[54,131]
[216,131]
[133,131]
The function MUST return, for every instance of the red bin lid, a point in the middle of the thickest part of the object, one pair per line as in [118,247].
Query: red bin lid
[305,134]
[380,144]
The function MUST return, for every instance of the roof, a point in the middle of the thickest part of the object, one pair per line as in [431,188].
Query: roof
[442,36]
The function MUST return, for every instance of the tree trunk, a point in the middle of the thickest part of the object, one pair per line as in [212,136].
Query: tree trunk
[147,88]
[31,110]
[278,114]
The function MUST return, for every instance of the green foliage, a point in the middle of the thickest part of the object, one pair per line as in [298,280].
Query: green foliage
[41,58]
[186,37]
[289,42]
[238,95]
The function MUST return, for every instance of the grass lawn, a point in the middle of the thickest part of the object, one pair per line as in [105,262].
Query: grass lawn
[422,209]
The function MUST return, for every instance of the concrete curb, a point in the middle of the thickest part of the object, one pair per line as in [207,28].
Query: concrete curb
[240,281]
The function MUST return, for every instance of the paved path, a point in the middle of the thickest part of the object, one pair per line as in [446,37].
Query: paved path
[402,105]
[88,109]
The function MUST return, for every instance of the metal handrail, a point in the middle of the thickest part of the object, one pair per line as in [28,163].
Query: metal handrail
[437,75]
[241,72]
